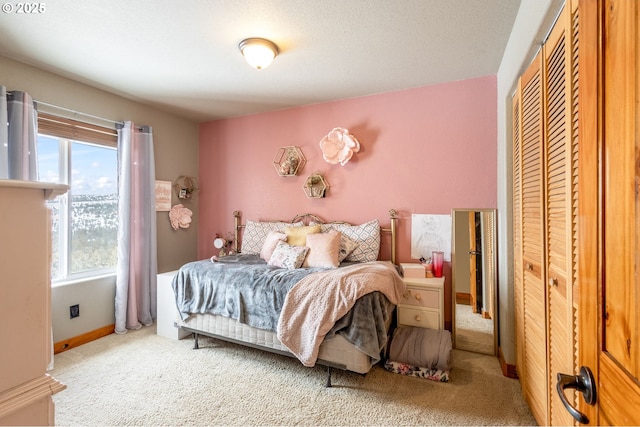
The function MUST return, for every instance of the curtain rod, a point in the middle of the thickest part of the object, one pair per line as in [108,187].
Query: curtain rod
[116,124]
[78,113]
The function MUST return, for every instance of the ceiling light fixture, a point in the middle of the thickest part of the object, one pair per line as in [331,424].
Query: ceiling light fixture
[258,52]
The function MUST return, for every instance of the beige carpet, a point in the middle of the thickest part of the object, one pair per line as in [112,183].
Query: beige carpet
[473,332]
[144,379]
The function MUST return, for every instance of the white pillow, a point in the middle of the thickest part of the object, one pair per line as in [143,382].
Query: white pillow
[287,256]
[255,234]
[366,235]
[324,250]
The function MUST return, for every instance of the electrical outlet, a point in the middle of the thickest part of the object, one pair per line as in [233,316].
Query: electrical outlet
[74,311]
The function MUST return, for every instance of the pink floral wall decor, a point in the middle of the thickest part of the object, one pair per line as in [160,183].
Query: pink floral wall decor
[180,217]
[338,146]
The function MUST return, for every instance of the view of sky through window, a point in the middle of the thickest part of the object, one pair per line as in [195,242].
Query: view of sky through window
[92,170]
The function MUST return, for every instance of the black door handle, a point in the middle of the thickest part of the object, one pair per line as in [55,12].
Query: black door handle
[584,383]
[475,253]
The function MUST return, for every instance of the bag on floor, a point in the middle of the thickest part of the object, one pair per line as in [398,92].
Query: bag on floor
[420,352]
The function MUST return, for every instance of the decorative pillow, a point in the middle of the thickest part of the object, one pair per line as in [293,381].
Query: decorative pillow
[324,249]
[287,256]
[297,236]
[255,233]
[346,247]
[366,235]
[270,244]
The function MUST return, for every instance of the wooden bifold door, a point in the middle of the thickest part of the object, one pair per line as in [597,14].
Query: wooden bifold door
[576,218]
[545,219]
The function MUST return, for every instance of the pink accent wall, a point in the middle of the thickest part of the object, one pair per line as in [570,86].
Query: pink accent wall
[423,150]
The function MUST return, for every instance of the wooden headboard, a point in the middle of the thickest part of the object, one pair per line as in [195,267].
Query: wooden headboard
[307,218]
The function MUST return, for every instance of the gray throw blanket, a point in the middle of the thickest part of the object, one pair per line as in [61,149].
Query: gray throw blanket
[364,325]
[241,287]
[245,288]
[421,347]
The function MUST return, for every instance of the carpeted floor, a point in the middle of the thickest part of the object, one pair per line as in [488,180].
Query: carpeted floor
[473,332]
[144,379]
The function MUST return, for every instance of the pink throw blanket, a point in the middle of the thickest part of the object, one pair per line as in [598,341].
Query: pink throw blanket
[317,301]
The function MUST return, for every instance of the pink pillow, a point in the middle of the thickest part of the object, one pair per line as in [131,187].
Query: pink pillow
[324,250]
[273,237]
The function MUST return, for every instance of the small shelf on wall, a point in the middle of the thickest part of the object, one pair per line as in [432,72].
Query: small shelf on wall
[289,161]
[315,186]
[185,187]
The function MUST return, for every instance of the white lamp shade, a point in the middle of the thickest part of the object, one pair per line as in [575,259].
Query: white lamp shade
[259,53]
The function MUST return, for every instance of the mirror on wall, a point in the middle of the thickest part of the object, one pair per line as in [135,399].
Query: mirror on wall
[473,266]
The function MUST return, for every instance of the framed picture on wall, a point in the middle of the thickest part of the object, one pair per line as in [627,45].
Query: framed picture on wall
[163,196]
[430,233]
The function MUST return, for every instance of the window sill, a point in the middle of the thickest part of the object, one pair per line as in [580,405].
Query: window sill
[74,280]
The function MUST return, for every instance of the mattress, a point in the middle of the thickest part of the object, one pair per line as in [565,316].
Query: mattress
[335,351]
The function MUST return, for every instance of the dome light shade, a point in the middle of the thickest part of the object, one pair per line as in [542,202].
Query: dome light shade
[259,53]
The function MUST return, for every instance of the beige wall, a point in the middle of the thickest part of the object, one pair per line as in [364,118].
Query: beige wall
[176,153]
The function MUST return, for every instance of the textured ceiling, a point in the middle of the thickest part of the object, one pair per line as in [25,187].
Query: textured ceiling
[183,57]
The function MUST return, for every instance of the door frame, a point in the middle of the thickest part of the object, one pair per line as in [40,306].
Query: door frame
[472,263]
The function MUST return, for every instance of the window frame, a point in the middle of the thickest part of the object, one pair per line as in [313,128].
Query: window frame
[68,131]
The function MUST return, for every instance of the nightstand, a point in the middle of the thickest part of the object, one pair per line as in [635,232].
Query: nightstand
[422,305]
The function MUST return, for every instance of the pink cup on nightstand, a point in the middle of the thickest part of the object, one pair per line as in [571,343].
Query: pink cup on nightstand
[437,259]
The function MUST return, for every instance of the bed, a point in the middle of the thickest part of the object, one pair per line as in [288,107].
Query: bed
[304,288]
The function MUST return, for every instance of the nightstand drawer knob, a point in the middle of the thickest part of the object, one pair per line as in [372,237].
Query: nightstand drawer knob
[418,296]
[418,318]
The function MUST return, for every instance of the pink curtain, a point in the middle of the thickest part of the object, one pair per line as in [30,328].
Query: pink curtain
[135,303]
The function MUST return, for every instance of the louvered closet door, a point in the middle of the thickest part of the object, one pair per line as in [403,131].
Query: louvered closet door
[574,173]
[517,235]
[560,212]
[534,352]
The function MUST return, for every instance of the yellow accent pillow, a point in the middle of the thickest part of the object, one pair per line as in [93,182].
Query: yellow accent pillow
[297,236]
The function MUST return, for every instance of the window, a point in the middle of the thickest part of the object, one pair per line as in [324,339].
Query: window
[85,220]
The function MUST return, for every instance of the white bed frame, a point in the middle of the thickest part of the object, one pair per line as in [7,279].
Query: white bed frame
[335,352]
